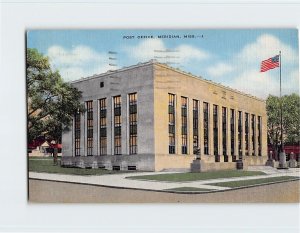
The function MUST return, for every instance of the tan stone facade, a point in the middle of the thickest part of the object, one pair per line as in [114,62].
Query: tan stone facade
[153,83]
[168,80]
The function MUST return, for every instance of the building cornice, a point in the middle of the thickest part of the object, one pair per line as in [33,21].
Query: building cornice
[154,62]
[209,81]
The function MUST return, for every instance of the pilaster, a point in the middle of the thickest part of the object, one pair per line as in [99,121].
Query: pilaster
[95,127]
[109,125]
[178,124]
[190,126]
[210,130]
[124,124]
[228,140]
[220,134]
[236,133]
[201,127]
[83,133]
[243,133]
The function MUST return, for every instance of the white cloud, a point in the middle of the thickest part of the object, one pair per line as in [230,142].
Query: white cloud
[255,83]
[73,72]
[149,49]
[267,46]
[263,84]
[245,73]
[219,69]
[294,76]
[290,83]
[187,52]
[145,50]
[80,61]
[75,56]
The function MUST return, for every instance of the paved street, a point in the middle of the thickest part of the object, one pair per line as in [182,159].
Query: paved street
[120,181]
[41,191]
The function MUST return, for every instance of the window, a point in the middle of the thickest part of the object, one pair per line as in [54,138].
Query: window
[253,133]
[132,123]
[224,133]
[117,125]
[195,125]
[184,146]
[247,133]
[89,106]
[259,136]
[240,131]
[215,132]
[171,110]
[205,127]
[77,133]
[232,133]
[101,84]
[103,127]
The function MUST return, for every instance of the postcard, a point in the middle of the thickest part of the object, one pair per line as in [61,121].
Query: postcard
[163,116]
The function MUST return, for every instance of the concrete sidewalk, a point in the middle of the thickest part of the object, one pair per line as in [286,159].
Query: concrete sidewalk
[120,181]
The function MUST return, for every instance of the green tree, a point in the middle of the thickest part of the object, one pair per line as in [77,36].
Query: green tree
[51,101]
[291,119]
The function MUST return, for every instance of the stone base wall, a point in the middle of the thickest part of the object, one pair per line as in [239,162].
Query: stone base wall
[219,166]
[141,162]
[149,162]
[256,160]
[202,166]
[167,162]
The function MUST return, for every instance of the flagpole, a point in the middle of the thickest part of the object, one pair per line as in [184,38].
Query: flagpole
[281,128]
[282,156]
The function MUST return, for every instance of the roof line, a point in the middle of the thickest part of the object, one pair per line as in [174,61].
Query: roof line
[110,72]
[153,61]
[208,81]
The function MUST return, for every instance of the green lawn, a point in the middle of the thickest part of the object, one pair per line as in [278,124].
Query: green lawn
[242,183]
[46,165]
[179,177]
[189,189]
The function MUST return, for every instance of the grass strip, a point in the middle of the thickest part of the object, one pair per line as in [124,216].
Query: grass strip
[243,183]
[189,189]
[181,177]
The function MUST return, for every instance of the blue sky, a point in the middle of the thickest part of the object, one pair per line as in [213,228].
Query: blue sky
[229,57]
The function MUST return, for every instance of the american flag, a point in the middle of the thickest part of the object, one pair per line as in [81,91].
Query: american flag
[270,63]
